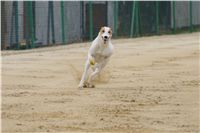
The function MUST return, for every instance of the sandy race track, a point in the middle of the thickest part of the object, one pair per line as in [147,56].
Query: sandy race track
[149,86]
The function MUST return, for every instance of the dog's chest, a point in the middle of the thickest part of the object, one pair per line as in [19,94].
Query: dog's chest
[102,53]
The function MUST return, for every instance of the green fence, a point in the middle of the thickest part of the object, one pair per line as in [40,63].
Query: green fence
[127,19]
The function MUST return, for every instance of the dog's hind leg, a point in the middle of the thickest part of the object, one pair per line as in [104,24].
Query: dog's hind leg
[104,63]
[84,76]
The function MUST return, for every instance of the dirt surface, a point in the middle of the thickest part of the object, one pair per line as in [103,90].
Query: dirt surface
[151,85]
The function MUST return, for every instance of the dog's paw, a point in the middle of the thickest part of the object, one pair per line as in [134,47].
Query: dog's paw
[88,85]
[81,86]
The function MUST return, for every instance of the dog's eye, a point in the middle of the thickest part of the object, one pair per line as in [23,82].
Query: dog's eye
[109,32]
[103,31]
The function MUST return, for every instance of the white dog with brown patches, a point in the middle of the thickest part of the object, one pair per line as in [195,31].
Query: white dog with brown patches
[98,56]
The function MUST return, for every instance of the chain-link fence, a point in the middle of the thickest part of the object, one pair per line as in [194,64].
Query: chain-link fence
[30,24]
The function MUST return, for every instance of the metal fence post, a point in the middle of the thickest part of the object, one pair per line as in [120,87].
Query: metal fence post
[174,17]
[137,18]
[16,24]
[157,17]
[52,21]
[31,25]
[91,20]
[116,8]
[26,5]
[12,21]
[132,19]
[48,23]
[34,19]
[62,21]
[191,25]
[3,26]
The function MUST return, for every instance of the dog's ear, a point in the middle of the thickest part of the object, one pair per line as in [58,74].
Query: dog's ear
[101,30]
[111,32]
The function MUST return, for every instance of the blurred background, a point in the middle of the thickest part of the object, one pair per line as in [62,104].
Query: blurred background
[31,24]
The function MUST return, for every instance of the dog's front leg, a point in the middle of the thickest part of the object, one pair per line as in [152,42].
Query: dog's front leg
[97,70]
[84,76]
[92,76]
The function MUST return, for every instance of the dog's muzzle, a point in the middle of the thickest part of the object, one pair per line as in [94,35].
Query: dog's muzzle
[105,38]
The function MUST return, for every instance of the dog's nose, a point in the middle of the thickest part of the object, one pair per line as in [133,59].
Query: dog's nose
[106,37]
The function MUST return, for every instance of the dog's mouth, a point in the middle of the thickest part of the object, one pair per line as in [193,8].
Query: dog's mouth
[104,39]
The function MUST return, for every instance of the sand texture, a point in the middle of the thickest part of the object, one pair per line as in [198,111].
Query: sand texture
[150,85]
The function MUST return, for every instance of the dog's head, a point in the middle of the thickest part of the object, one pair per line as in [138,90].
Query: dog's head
[105,33]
